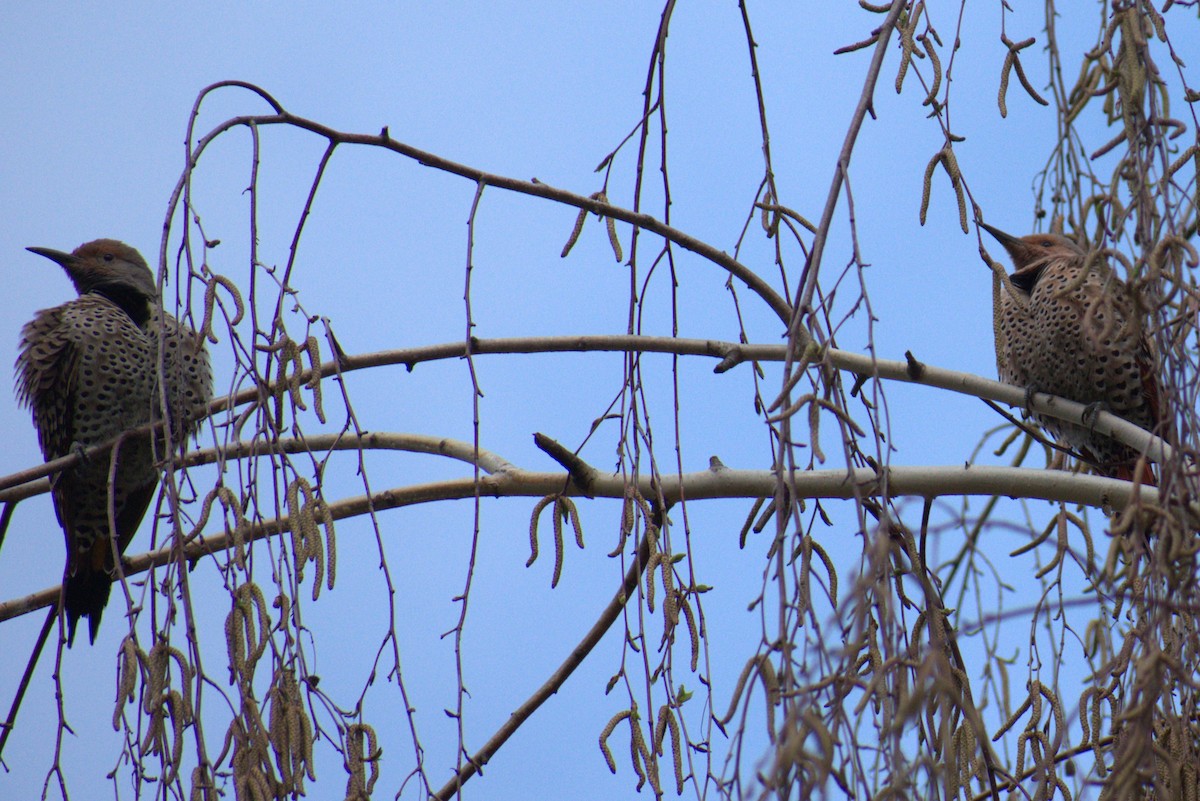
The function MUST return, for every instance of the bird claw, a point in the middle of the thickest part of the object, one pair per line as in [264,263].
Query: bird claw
[79,450]
[1027,411]
[1090,413]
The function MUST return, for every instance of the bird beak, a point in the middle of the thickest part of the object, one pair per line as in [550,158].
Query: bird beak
[1007,240]
[58,256]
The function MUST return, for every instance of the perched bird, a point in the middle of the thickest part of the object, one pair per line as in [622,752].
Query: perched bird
[88,371]
[1071,330]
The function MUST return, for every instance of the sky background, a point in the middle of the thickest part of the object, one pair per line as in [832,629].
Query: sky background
[96,102]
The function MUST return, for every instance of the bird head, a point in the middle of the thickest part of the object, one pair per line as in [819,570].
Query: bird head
[1030,254]
[1035,249]
[107,267]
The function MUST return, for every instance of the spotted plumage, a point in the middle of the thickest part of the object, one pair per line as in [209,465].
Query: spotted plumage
[1076,332]
[88,371]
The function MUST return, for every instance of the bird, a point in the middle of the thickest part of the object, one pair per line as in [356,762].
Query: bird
[88,371]
[1073,329]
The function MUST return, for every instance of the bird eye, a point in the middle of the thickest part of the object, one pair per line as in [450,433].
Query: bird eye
[108,257]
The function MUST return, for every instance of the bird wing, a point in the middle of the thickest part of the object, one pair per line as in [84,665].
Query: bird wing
[1148,369]
[189,377]
[46,370]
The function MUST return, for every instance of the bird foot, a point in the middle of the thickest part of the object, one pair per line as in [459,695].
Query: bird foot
[1090,413]
[80,450]
[123,568]
[1030,391]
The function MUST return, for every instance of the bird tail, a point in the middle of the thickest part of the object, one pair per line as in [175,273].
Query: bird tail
[1139,472]
[84,595]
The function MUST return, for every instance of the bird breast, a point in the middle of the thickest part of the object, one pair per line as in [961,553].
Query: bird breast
[89,373]
[1077,336]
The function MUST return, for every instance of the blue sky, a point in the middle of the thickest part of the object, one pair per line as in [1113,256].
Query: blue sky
[96,103]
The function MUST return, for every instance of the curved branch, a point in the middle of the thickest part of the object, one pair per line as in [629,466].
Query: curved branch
[372,441]
[533,187]
[733,353]
[24,483]
[721,482]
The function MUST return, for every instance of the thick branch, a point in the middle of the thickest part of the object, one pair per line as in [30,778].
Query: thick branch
[730,354]
[924,482]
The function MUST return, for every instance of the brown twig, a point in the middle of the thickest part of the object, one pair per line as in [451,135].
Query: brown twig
[556,679]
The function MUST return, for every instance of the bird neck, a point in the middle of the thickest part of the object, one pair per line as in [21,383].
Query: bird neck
[1026,279]
[130,300]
